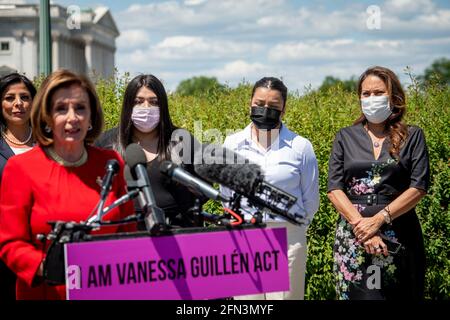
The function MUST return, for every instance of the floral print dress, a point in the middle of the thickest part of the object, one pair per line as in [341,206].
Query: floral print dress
[354,170]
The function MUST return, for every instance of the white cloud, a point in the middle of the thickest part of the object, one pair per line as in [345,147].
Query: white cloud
[194,2]
[195,48]
[236,39]
[402,7]
[351,50]
[133,38]
[238,70]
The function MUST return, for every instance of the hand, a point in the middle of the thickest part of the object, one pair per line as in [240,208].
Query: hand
[375,245]
[366,228]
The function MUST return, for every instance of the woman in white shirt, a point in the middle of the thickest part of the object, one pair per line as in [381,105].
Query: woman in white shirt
[289,163]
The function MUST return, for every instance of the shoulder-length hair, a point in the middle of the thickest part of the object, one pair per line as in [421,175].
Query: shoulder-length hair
[397,129]
[165,126]
[10,79]
[41,112]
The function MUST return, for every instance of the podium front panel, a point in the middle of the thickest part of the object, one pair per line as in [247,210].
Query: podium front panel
[207,265]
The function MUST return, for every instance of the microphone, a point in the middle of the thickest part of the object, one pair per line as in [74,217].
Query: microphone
[247,179]
[137,177]
[112,167]
[199,186]
[137,163]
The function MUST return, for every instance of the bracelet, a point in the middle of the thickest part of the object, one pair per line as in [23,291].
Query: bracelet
[387,215]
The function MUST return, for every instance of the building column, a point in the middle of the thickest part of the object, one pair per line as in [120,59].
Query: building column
[32,69]
[19,39]
[88,53]
[56,58]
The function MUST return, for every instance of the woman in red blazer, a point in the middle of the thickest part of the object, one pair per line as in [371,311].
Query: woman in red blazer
[56,180]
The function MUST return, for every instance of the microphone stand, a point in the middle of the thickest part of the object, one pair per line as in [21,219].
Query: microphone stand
[152,215]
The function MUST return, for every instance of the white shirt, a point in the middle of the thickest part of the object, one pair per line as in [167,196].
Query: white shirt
[20,150]
[289,164]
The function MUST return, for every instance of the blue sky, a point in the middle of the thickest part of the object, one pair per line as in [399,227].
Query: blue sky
[300,41]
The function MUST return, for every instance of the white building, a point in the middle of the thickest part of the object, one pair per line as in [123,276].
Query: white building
[83,41]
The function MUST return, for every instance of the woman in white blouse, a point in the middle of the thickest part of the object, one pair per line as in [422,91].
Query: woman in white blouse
[289,163]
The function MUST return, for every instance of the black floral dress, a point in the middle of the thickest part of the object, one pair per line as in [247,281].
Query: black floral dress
[371,184]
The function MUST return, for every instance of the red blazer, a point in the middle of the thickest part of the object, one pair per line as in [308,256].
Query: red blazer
[35,190]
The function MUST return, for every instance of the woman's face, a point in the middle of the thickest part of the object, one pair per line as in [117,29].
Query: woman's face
[373,85]
[71,114]
[146,97]
[265,97]
[16,104]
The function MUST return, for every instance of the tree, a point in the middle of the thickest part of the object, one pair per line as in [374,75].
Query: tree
[198,85]
[349,85]
[439,70]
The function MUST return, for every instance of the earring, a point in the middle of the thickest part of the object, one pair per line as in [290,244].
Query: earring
[47,129]
[90,127]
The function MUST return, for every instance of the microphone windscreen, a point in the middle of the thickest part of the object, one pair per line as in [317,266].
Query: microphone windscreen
[243,178]
[113,165]
[134,155]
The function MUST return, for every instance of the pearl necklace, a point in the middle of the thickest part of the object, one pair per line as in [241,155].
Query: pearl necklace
[66,163]
[18,142]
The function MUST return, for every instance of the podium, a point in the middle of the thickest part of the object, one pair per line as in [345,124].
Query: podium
[187,264]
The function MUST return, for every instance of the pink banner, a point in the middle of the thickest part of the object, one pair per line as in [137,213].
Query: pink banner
[205,265]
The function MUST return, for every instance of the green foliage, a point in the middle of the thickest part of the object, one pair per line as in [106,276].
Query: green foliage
[198,86]
[439,71]
[318,115]
[330,83]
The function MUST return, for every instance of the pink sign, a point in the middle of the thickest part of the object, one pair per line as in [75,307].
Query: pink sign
[205,265]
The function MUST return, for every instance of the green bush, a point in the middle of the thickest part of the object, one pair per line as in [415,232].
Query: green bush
[318,115]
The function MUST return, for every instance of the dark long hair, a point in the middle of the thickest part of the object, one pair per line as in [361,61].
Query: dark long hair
[165,126]
[11,79]
[397,129]
[273,84]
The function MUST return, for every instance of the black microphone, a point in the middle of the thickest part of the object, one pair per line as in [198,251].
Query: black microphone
[199,186]
[136,168]
[137,163]
[112,167]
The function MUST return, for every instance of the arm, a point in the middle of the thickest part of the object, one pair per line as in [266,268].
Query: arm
[419,181]
[336,183]
[309,181]
[16,244]
[343,205]
[367,227]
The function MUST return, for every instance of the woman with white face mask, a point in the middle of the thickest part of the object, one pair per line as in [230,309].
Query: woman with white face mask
[378,172]
[145,120]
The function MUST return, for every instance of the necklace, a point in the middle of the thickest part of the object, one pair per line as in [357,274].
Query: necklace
[376,143]
[17,142]
[66,163]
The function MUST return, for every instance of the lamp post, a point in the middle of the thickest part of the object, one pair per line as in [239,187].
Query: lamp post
[45,41]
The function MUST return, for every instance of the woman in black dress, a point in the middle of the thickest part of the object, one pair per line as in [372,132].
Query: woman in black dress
[145,120]
[378,172]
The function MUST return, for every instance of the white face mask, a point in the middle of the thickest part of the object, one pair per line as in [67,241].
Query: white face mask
[376,108]
[145,119]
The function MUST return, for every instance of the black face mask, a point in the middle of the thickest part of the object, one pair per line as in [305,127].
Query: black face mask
[265,118]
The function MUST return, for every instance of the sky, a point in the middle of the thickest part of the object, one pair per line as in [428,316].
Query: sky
[299,41]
